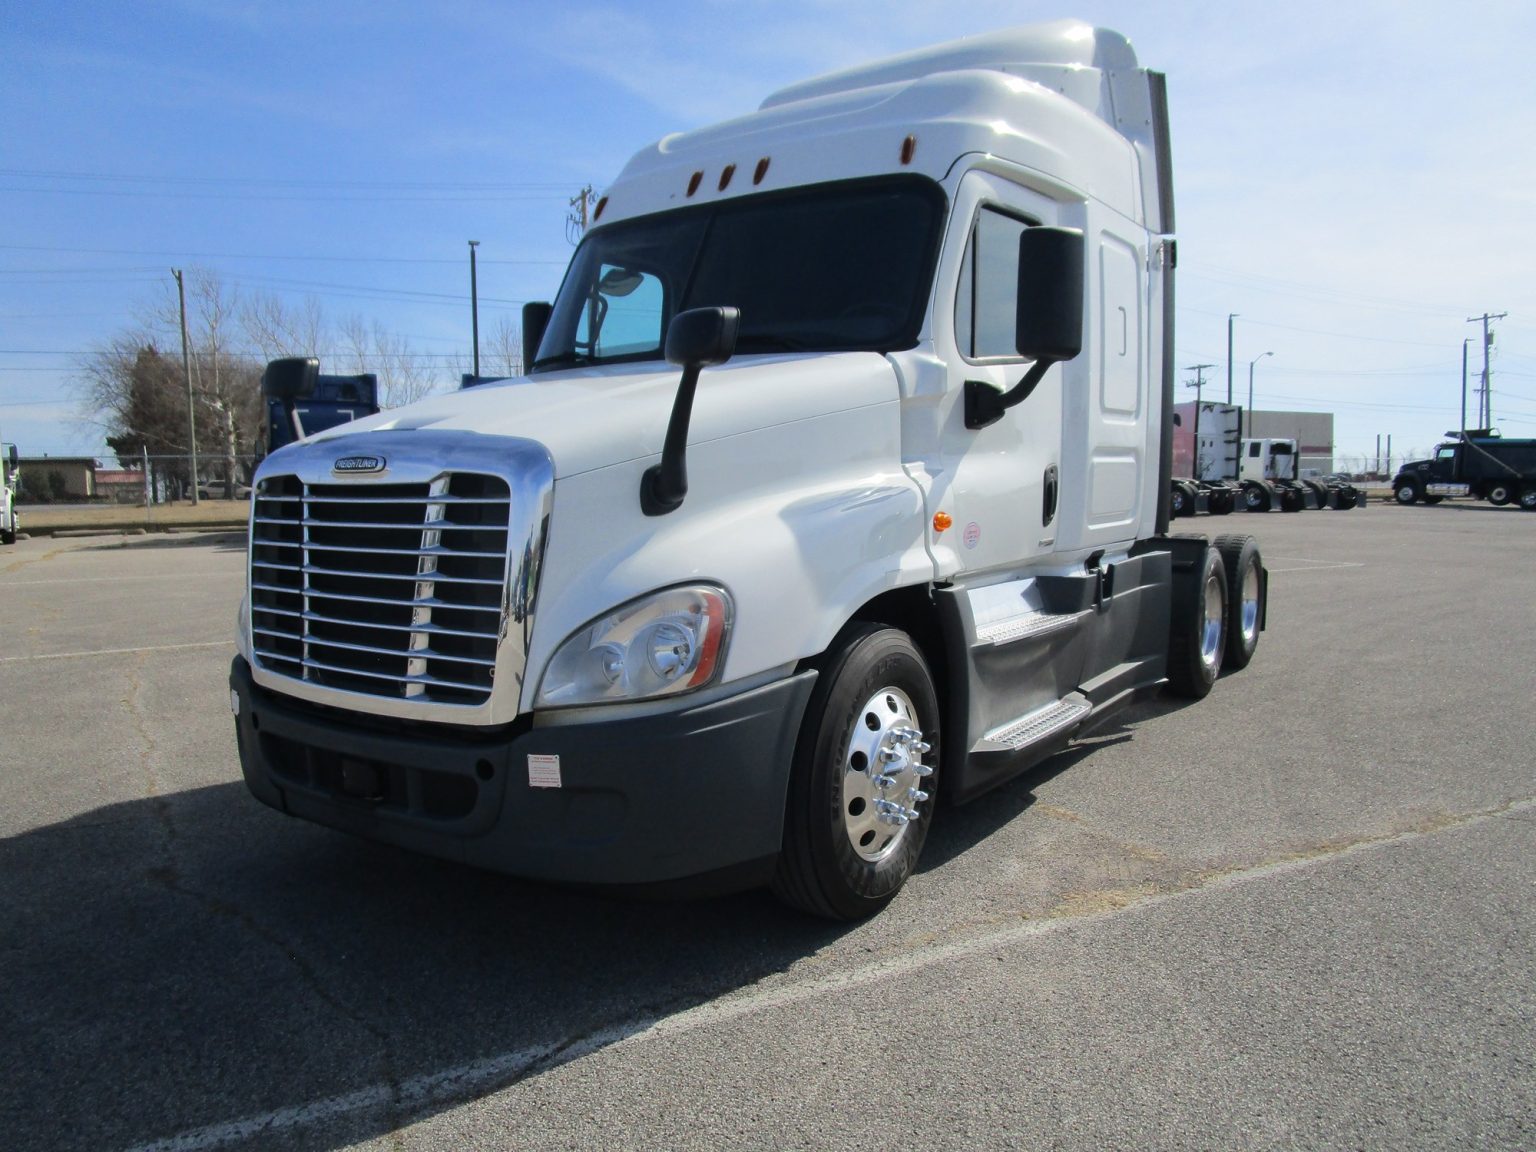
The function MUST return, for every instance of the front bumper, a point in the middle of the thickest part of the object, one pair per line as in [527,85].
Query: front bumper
[648,800]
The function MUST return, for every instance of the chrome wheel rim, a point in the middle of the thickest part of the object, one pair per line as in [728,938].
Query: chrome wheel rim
[1211,622]
[1249,606]
[882,772]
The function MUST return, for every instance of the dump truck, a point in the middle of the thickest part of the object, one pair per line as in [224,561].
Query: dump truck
[1478,463]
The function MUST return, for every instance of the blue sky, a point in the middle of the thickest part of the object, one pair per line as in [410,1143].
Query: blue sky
[1353,179]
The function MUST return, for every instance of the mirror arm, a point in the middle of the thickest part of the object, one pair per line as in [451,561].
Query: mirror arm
[664,485]
[985,405]
[292,412]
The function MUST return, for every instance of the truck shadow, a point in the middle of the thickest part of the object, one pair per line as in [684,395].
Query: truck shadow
[176,964]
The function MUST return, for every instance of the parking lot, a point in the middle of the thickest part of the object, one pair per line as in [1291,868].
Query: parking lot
[1298,913]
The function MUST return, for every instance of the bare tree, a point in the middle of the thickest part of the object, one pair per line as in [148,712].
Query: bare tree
[504,352]
[403,375]
[277,328]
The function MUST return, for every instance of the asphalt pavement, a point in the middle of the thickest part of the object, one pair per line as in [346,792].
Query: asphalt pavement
[1295,914]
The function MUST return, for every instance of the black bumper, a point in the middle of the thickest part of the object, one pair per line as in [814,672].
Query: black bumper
[693,793]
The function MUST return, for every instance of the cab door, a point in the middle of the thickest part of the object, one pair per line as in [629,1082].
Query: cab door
[999,484]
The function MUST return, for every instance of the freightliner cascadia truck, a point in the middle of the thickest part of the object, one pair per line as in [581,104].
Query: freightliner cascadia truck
[838,485]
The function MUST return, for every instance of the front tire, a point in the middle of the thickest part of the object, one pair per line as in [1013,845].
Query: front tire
[1406,491]
[860,793]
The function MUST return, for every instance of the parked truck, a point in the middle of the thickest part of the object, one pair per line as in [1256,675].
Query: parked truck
[10,520]
[1478,463]
[891,527]
[1217,469]
[328,401]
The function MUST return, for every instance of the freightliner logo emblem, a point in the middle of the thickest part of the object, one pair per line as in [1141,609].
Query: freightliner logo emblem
[358,465]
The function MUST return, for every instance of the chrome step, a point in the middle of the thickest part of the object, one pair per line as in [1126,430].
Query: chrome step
[1040,724]
[1033,626]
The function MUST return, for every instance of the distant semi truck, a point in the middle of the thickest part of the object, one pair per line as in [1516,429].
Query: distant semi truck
[1217,470]
[1478,463]
[10,522]
[332,400]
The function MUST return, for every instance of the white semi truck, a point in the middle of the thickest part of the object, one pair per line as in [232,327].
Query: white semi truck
[10,520]
[891,528]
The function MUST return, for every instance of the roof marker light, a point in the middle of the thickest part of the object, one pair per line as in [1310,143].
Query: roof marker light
[598,211]
[908,149]
[725,176]
[760,171]
[693,182]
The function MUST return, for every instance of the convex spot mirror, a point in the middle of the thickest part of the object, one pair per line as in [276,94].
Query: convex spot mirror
[1049,323]
[292,378]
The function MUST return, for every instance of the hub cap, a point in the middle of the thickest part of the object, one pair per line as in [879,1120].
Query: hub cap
[882,770]
[1250,605]
[1210,625]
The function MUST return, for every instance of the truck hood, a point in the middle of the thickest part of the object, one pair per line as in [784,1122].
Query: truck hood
[596,417]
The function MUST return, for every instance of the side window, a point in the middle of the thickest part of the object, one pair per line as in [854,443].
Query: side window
[1254,449]
[1446,453]
[623,317]
[986,304]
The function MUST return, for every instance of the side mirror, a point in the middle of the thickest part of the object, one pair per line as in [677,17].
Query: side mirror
[13,457]
[1049,323]
[536,314]
[1048,326]
[702,337]
[292,378]
[696,339]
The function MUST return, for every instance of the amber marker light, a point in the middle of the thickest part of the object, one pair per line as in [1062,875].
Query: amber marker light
[942,521]
[908,149]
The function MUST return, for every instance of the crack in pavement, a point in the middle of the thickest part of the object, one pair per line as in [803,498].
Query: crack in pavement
[468,1081]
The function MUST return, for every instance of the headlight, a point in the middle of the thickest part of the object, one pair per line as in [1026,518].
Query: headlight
[662,645]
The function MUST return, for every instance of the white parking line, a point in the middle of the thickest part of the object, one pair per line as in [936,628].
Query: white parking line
[1302,564]
[115,651]
[469,1080]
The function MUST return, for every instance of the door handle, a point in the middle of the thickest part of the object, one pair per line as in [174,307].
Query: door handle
[1052,487]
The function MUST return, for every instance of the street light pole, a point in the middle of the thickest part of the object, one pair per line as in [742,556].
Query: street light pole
[1231,316]
[474,305]
[1249,417]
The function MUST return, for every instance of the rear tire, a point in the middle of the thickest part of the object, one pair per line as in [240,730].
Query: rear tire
[851,841]
[1500,494]
[1528,499]
[1245,598]
[1197,627]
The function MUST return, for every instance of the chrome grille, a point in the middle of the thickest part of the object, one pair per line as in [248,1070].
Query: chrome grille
[391,590]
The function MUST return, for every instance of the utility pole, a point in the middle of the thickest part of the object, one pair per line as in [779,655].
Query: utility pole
[576,220]
[1485,404]
[186,370]
[1231,316]
[1464,344]
[474,305]
[1199,371]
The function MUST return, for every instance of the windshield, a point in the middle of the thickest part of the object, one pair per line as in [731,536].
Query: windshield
[834,267]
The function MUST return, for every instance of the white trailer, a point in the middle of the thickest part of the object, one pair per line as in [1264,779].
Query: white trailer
[897,531]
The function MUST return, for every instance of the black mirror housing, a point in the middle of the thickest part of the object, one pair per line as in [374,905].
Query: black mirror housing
[1049,323]
[536,314]
[289,379]
[702,336]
